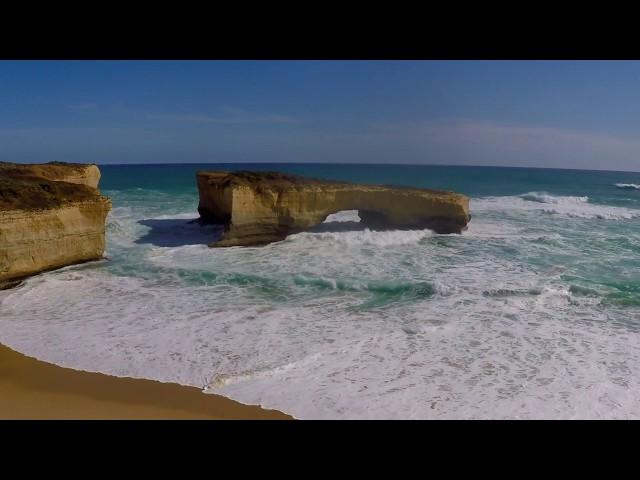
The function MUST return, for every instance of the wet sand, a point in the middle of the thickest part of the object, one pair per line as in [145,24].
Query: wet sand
[31,389]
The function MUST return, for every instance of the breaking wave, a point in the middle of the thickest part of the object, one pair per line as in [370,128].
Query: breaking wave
[360,323]
[568,206]
[343,216]
[542,197]
[385,238]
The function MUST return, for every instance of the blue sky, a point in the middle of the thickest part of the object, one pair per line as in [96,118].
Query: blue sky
[563,114]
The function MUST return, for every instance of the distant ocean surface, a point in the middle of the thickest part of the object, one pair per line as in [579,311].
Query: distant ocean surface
[533,312]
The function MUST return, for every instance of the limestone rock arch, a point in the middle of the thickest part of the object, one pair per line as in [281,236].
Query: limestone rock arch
[258,208]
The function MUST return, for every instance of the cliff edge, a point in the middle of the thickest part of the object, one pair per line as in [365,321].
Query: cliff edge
[51,215]
[258,208]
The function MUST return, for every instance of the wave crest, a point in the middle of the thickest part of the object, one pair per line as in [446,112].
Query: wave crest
[543,197]
[569,206]
[363,237]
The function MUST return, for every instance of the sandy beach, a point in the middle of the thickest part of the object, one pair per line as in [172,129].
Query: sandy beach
[31,389]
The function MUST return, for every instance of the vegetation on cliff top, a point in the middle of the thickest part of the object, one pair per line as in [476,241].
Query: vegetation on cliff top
[35,193]
[277,181]
[35,187]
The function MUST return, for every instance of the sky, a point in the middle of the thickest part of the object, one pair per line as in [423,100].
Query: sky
[563,114]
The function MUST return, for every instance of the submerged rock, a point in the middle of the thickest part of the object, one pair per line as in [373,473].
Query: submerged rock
[51,215]
[258,208]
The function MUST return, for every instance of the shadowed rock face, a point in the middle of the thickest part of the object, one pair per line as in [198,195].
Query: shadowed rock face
[258,208]
[51,215]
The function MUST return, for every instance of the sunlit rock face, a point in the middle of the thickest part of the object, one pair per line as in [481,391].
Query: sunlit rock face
[258,208]
[51,215]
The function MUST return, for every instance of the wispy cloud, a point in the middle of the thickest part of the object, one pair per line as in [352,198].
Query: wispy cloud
[519,137]
[484,142]
[82,106]
[228,116]
[461,142]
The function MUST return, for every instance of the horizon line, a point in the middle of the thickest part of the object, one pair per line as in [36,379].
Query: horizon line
[364,164]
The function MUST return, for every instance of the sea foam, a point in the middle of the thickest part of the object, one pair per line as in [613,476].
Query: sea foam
[507,320]
[568,206]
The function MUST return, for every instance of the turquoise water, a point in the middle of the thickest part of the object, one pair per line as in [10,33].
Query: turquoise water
[533,312]
[472,181]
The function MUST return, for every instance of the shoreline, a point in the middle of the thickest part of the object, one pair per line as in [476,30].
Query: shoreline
[31,389]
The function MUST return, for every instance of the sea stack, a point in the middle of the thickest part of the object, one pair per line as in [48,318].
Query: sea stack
[258,208]
[51,215]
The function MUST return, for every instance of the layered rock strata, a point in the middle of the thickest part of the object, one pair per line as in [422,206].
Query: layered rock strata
[51,215]
[258,208]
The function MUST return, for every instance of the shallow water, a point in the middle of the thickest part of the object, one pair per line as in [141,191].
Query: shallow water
[533,312]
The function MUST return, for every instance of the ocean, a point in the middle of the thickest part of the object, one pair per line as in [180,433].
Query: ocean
[532,312]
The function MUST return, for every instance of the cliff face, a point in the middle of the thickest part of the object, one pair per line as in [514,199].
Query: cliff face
[51,215]
[263,207]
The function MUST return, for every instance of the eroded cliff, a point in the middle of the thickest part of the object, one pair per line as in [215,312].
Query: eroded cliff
[263,207]
[51,215]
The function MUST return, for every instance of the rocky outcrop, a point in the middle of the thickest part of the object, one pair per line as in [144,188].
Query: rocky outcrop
[258,208]
[51,215]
